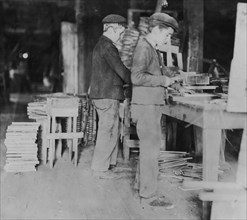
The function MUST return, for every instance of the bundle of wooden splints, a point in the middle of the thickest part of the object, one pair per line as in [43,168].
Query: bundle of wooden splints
[129,42]
[37,110]
[91,129]
[143,25]
[22,150]
[175,163]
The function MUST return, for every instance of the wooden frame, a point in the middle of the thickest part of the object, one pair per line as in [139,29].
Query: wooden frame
[211,119]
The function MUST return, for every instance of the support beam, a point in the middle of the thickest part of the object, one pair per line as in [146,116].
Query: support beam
[70,61]
[1,38]
[193,14]
[80,9]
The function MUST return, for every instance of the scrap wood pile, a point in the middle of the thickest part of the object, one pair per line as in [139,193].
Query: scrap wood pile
[37,110]
[21,155]
[176,164]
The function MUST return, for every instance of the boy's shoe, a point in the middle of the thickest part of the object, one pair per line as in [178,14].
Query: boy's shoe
[161,202]
[112,167]
[157,201]
[106,175]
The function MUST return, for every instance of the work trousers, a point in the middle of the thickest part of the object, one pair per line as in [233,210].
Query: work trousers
[106,148]
[147,118]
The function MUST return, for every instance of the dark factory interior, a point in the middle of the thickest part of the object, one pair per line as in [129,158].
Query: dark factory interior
[46,54]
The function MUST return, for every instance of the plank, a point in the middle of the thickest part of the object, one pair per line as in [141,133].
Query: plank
[237,92]
[69,44]
[223,195]
[211,185]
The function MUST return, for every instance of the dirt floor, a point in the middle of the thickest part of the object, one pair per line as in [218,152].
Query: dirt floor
[68,192]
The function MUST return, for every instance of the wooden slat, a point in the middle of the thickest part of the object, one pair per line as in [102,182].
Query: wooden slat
[65,135]
[132,143]
[211,185]
[236,195]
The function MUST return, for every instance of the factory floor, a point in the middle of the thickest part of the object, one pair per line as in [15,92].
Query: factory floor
[68,192]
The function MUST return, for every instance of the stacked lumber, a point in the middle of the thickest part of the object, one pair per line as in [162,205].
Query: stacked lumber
[193,78]
[176,163]
[37,110]
[129,42]
[21,155]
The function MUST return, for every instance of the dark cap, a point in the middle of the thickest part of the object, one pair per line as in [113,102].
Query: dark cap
[113,18]
[165,19]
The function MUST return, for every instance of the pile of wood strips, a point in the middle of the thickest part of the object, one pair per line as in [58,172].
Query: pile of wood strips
[176,163]
[21,155]
[37,110]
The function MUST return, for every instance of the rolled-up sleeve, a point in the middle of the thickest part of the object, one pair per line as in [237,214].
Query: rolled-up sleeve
[140,76]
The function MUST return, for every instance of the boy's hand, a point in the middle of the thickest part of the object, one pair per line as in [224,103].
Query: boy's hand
[183,90]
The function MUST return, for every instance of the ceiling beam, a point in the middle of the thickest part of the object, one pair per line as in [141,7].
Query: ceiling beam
[9,30]
[60,3]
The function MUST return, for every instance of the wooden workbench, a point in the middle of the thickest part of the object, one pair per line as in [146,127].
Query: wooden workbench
[211,117]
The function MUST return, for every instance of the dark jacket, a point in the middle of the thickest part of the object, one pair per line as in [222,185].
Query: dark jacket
[108,72]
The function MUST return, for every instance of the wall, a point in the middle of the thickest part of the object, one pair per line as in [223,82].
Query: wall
[219,24]
[219,30]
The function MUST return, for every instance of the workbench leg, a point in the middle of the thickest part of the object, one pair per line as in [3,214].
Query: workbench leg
[52,150]
[241,176]
[59,141]
[222,146]
[163,132]
[69,141]
[174,135]
[44,142]
[206,210]
[126,151]
[198,140]
[75,143]
[211,141]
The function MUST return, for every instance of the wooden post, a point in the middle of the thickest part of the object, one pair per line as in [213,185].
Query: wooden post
[237,94]
[1,38]
[80,9]
[70,61]
[193,14]
[242,163]
[193,19]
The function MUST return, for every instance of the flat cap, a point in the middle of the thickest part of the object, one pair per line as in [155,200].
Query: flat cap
[165,19]
[113,18]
